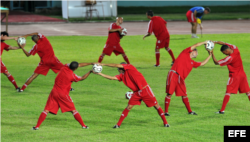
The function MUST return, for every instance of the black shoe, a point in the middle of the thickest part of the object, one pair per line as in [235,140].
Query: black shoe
[192,113]
[167,114]
[156,65]
[116,126]
[172,63]
[166,125]
[86,127]
[18,89]
[35,128]
[220,112]
[72,89]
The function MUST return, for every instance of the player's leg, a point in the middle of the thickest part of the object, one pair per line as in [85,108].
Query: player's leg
[157,57]
[171,54]
[187,104]
[11,79]
[125,58]
[101,57]
[224,103]
[41,118]
[248,95]
[124,115]
[33,76]
[78,118]
[194,29]
[167,103]
[161,114]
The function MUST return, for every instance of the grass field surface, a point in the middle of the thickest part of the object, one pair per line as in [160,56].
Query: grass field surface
[100,102]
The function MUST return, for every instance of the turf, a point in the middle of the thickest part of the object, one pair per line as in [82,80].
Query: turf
[101,102]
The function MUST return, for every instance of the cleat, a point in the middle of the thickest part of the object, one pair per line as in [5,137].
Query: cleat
[156,65]
[18,89]
[116,126]
[220,112]
[72,89]
[192,113]
[167,114]
[166,125]
[194,36]
[35,128]
[85,127]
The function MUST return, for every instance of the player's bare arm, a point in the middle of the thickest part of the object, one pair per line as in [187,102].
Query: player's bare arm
[112,65]
[30,35]
[198,44]
[207,59]
[115,30]
[214,59]
[219,42]
[107,76]
[8,38]
[13,48]
[24,51]
[86,75]
[84,64]
[148,34]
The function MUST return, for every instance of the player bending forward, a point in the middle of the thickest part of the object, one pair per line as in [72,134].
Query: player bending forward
[48,59]
[59,96]
[159,27]
[113,41]
[4,46]
[133,79]
[179,72]
[237,77]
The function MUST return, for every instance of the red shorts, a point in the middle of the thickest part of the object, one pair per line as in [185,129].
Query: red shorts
[117,49]
[161,43]
[190,17]
[146,95]
[3,68]
[238,83]
[175,84]
[56,101]
[54,64]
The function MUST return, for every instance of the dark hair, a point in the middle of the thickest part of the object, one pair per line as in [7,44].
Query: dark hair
[4,33]
[208,9]
[150,13]
[122,68]
[73,65]
[34,37]
[223,48]
[195,49]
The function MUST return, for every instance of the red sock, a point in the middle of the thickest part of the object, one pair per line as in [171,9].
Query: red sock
[12,80]
[24,86]
[225,101]
[248,94]
[79,118]
[41,119]
[161,113]
[100,59]
[123,116]
[126,59]
[186,102]
[157,56]
[171,54]
[167,103]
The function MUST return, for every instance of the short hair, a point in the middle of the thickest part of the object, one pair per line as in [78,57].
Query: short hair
[4,33]
[195,49]
[208,9]
[73,65]
[122,63]
[34,37]
[223,48]
[150,13]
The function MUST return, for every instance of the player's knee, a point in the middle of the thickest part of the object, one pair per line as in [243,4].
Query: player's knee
[129,107]
[169,95]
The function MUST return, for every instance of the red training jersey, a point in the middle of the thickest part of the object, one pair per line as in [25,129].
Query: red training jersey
[184,64]
[158,26]
[64,80]
[113,37]
[43,48]
[233,61]
[132,78]
[4,46]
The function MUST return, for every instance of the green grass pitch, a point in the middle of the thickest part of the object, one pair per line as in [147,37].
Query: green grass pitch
[101,102]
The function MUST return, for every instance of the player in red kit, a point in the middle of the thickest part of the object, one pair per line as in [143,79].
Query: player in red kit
[48,59]
[237,77]
[59,96]
[178,73]
[113,41]
[158,26]
[133,79]
[4,46]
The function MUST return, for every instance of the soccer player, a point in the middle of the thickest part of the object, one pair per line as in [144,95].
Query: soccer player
[133,79]
[179,72]
[194,16]
[159,27]
[237,77]
[113,41]
[4,46]
[59,96]
[48,59]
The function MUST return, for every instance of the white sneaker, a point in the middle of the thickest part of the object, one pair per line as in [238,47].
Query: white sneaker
[194,36]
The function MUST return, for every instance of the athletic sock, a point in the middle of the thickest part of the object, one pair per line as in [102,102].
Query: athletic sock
[41,119]
[157,56]
[161,113]
[225,101]
[100,59]
[123,116]
[248,95]
[186,102]
[12,80]
[24,86]
[126,59]
[79,118]
[171,54]
[167,103]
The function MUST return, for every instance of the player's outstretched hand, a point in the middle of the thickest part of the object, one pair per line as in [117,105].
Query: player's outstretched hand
[21,46]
